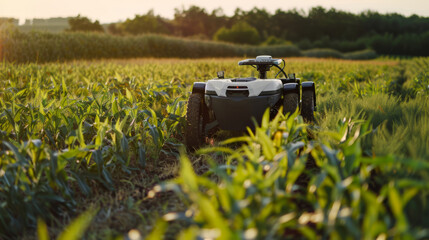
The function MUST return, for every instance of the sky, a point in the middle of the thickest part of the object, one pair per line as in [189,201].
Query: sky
[107,11]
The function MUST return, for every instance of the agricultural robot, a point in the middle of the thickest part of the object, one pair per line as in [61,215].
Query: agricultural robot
[235,103]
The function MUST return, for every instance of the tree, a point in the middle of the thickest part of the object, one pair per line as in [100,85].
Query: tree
[241,33]
[191,21]
[10,21]
[260,19]
[148,23]
[272,40]
[290,25]
[114,29]
[83,24]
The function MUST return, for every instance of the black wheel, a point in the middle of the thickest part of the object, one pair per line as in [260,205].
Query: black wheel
[196,119]
[290,103]
[307,110]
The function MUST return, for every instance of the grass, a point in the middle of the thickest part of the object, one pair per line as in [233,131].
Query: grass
[101,134]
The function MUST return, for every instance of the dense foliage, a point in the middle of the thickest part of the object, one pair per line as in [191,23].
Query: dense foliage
[67,131]
[279,184]
[148,23]
[391,34]
[83,24]
[387,34]
[16,46]
[70,131]
[241,33]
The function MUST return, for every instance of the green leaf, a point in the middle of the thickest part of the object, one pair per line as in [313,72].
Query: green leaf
[129,95]
[409,194]
[41,109]
[142,155]
[190,233]
[80,137]
[212,216]
[42,230]
[187,174]
[63,86]
[265,119]
[153,130]
[268,147]
[397,208]
[158,231]
[153,118]
[115,108]
[16,152]
[77,228]
[108,178]
[82,184]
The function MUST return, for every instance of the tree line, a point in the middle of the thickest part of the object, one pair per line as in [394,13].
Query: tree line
[392,34]
[389,34]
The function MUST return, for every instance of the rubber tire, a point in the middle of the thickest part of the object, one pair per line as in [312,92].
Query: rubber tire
[307,110]
[290,103]
[195,122]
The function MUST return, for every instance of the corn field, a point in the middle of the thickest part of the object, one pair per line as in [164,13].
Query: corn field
[41,47]
[102,142]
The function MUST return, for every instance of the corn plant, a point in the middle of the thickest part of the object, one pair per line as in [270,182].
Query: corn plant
[269,187]
[69,130]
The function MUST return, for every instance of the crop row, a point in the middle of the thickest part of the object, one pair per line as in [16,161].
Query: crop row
[286,182]
[68,129]
[59,139]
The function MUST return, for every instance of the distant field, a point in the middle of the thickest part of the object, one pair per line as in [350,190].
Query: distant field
[101,134]
[41,47]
